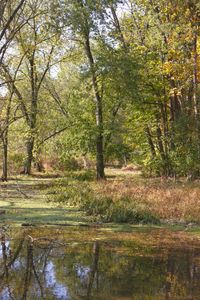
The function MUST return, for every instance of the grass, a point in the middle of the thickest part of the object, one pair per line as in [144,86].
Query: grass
[24,198]
[168,200]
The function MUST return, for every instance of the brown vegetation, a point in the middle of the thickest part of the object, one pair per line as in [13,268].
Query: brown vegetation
[167,200]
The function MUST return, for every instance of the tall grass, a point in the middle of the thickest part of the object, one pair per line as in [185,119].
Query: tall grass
[133,200]
[106,208]
[166,200]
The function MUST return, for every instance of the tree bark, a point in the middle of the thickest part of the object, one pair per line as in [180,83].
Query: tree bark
[29,157]
[4,137]
[160,143]
[33,115]
[150,142]
[4,176]
[99,113]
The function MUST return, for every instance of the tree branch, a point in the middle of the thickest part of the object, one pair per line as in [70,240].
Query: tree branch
[11,19]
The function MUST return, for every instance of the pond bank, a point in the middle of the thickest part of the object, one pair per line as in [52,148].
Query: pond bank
[23,200]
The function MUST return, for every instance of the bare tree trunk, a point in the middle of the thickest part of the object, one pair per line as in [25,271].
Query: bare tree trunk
[150,142]
[97,96]
[160,143]
[4,176]
[29,157]
[33,115]
[37,160]
[163,110]
[4,137]
[100,157]
[99,113]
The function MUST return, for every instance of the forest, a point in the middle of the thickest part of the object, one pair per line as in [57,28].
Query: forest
[104,97]
[96,83]
[99,149]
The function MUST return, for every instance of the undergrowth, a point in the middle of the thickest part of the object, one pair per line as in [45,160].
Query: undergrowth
[104,208]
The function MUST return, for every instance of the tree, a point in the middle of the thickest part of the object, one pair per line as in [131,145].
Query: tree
[36,43]
[163,33]
[10,23]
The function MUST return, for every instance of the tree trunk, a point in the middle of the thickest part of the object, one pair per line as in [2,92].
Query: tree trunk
[39,166]
[99,114]
[5,142]
[160,143]
[4,176]
[150,142]
[32,115]
[29,158]
[163,111]
[99,157]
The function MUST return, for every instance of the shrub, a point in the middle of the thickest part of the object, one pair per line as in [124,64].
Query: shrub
[15,162]
[96,206]
[68,192]
[106,209]
[70,164]
[84,175]
[122,212]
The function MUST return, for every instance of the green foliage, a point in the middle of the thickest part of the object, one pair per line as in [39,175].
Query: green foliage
[69,192]
[122,210]
[68,164]
[158,167]
[88,175]
[15,161]
[119,152]
[144,67]
[106,209]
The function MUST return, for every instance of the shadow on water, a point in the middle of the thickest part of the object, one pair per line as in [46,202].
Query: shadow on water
[55,267]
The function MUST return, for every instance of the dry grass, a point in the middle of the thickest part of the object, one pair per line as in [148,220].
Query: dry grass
[166,199]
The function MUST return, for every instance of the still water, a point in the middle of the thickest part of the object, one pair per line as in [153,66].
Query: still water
[93,264]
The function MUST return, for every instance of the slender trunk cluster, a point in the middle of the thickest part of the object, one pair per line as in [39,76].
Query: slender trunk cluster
[177,115]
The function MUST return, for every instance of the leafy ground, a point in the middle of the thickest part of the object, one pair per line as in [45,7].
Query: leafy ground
[23,200]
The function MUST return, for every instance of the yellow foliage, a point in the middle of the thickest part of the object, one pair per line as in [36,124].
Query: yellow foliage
[168,67]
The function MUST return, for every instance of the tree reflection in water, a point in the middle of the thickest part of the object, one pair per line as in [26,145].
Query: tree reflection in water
[52,268]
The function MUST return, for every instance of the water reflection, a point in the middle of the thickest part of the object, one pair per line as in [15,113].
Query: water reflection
[54,268]
[58,290]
